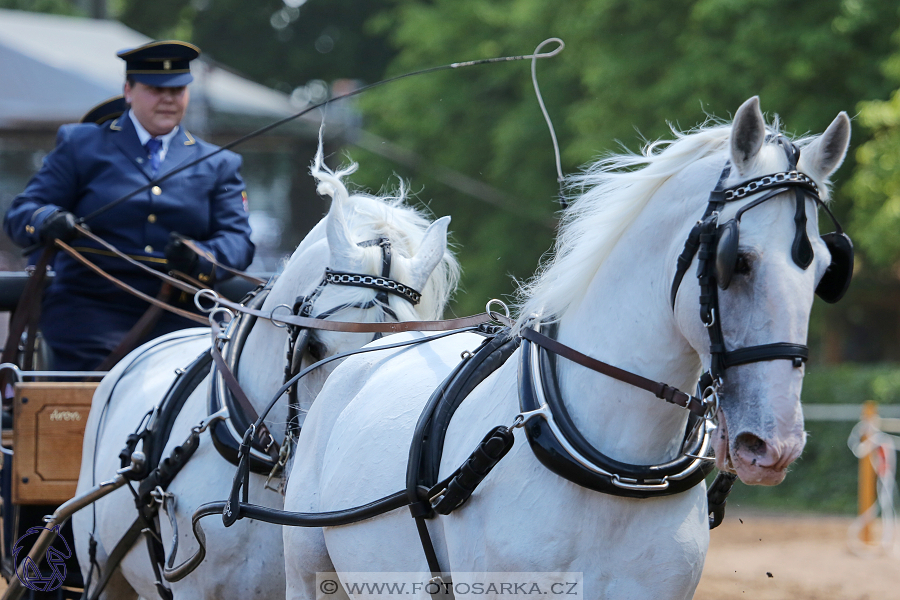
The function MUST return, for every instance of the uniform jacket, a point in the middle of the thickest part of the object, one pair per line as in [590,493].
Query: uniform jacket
[92,165]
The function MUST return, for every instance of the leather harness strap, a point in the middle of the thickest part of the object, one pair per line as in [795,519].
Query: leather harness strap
[297,320]
[124,545]
[28,301]
[121,284]
[263,434]
[212,259]
[660,390]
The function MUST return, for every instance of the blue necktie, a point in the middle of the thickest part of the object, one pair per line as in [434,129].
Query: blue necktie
[153,147]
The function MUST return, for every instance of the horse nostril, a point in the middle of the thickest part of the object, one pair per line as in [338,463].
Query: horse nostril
[751,446]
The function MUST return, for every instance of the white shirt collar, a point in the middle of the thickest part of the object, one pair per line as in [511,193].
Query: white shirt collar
[144,136]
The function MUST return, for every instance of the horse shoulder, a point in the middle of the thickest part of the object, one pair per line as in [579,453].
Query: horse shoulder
[381,400]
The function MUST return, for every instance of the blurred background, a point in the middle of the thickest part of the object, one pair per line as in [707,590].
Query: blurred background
[473,143]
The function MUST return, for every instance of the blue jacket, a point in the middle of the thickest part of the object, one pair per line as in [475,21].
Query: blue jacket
[92,165]
[83,317]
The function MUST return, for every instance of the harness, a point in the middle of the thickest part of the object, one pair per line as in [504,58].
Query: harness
[552,434]
[229,410]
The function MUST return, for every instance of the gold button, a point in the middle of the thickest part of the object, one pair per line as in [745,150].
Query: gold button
[156,190]
[29,229]
[151,218]
[148,249]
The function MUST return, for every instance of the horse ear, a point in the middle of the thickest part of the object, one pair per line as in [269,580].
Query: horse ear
[345,254]
[824,155]
[431,251]
[748,132]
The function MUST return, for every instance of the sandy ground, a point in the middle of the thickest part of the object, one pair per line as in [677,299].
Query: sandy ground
[807,556]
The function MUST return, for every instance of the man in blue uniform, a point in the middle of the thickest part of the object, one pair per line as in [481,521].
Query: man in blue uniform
[84,317]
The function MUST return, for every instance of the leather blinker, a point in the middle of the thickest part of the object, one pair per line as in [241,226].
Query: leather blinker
[726,252]
[837,277]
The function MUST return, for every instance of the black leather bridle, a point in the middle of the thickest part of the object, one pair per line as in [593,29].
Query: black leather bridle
[716,247]
[300,337]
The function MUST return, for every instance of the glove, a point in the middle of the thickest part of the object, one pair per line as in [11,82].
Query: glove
[58,226]
[179,256]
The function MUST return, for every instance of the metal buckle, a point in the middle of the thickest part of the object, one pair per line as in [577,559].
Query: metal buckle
[283,456]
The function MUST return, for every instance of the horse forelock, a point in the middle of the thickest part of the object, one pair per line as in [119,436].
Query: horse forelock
[369,217]
[605,198]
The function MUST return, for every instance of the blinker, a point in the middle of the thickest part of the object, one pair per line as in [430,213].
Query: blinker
[726,252]
[837,277]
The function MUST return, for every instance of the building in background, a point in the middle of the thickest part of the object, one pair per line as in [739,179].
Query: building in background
[55,68]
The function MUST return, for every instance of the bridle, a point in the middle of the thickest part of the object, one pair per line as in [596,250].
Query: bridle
[300,337]
[716,247]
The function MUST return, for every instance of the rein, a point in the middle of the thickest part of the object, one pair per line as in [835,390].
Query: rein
[279,320]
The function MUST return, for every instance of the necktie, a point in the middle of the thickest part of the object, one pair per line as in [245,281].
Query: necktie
[153,147]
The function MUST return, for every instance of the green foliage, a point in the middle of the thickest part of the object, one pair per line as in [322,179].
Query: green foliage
[852,383]
[876,183]
[627,65]
[281,44]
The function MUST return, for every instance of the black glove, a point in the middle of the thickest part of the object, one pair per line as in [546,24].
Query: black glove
[58,226]
[179,256]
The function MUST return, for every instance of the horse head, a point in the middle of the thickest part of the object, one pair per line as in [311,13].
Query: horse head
[773,260]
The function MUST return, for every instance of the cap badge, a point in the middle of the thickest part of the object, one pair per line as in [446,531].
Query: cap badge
[167,65]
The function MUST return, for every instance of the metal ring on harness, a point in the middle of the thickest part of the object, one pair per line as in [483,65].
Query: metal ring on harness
[710,400]
[220,309]
[213,296]
[487,309]
[272,316]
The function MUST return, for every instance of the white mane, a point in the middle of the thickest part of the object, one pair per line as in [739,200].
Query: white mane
[618,188]
[369,217]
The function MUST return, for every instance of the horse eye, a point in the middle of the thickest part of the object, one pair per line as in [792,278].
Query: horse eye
[743,264]
[316,349]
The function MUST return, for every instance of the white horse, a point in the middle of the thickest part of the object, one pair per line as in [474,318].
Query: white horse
[608,288]
[247,560]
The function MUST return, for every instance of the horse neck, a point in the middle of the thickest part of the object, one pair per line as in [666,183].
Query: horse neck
[625,319]
[261,367]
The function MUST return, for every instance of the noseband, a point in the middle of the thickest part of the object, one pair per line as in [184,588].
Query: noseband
[716,247]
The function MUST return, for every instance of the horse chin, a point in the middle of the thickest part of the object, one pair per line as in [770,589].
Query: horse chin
[729,459]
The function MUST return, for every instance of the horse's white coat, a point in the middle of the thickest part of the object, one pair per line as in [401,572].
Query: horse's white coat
[246,561]
[609,287]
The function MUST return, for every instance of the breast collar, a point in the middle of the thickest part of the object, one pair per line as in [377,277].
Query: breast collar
[558,445]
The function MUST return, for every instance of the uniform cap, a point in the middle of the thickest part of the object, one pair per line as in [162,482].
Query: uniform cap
[160,64]
[106,110]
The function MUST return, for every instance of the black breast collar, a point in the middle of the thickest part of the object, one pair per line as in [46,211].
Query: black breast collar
[557,443]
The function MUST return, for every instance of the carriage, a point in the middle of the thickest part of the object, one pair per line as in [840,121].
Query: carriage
[44,416]
[361,273]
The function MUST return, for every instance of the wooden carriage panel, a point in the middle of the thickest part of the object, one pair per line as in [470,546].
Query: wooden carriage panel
[49,422]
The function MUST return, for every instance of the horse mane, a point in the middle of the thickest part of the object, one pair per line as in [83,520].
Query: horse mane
[368,217]
[604,199]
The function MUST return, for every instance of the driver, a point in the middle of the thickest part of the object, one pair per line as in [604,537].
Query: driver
[84,317]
